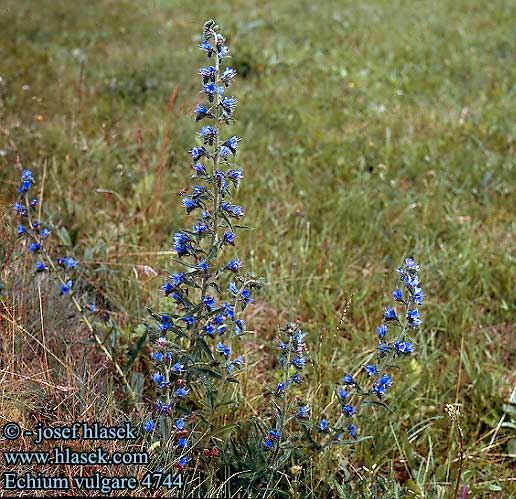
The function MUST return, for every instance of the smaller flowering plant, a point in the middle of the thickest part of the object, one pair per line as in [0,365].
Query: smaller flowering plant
[286,397]
[394,342]
[35,235]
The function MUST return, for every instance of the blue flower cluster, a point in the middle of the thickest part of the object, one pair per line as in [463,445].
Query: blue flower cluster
[207,297]
[402,317]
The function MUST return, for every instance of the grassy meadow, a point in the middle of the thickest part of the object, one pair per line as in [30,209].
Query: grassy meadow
[372,131]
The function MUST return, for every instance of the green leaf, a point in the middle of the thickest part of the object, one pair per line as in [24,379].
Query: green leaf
[137,384]
[223,215]
[64,236]
[353,441]
[135,352]
[205,348]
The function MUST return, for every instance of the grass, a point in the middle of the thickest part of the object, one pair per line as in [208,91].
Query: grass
[373,131]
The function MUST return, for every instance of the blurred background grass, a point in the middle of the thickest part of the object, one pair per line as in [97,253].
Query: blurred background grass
[372,131]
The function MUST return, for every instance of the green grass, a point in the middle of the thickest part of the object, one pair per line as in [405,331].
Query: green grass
[372,131]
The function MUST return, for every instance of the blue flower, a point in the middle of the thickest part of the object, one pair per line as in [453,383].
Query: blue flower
[22,229]
[268,443]
[45,233]
[380,387]
[178,368]
[411,265]
[228,310]
[70,262]
[190,204]
[27,176]
[21,210]
[323,425]
[281,387]
[228,75]
[180,424]
[226,351]
[210,89]
[418,296]
[202,112]
[229,147]
[348,410]
[182,243]
[274,435]
[164,324]
[343,394]
[92,307]
[352,430]
[383,349]
[228,106]
[303,412]
[246,297]
[209,329]
[208,135]
[223,51]
[205,45]
[157,356]
[411,281]
[182,462]
[150,425]
[234,265]
[209,301]
[381,331]
[296,379]
[178,278]
[40,267]
[198,190]
[235,176]
[348,379]
[371,370]
[182,392]
[24,187]
[208,74]
[237,212]
[299,362]
[198,152]
[162,408]
[228,238]
[158,378]
[239,326]
[202,266]
[386,380]
[65,288]
[403,347]
[34,247]
[182,443]
[200,228]
[200,169]
[390,314]
[413,318]
[189,319]
[239,361]
[398,295]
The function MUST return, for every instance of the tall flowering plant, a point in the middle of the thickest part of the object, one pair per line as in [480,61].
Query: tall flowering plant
[194,354]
